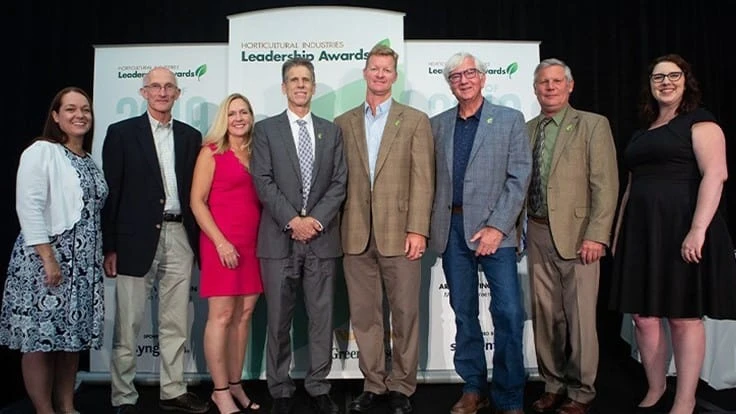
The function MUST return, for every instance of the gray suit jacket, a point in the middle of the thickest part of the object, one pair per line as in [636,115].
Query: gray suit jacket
[277,177]
[496,178]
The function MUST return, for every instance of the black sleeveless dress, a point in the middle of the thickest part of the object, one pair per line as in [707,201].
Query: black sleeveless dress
[650,277]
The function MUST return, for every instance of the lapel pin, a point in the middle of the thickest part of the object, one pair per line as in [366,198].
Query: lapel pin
[319,135]
[489,121]
[398,121]
[569,127]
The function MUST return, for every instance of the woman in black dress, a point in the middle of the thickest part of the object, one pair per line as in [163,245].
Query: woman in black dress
[674,257]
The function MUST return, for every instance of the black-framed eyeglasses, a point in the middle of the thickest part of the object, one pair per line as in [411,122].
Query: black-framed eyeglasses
[156,87]
[471,73]
[659,77]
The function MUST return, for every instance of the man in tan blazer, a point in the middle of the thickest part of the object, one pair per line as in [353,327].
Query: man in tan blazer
[570,209]
[385,224]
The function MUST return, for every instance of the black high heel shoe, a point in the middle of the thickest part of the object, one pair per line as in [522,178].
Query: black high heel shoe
[218,408]
[251,403]
[662,406]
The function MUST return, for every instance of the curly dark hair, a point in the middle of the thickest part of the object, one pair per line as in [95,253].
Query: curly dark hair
[52,132]
[649,108]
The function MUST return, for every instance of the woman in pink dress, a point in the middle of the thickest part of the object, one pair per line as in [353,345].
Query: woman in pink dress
[227,209]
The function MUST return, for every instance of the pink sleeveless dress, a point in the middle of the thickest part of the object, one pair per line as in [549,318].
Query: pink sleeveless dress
[236,210]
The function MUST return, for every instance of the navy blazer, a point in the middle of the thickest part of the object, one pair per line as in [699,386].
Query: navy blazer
[133,213]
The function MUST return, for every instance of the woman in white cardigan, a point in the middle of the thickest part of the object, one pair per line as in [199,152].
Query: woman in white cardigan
[53,301]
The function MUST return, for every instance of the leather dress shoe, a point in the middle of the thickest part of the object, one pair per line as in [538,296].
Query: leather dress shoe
[469,403]
[324,404]
[126,409]
[364,402]
[548,402]
[573,407]
[281,406]
[185,403]
[399,403]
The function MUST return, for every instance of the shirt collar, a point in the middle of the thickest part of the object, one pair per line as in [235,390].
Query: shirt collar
[294,117]
[381,108]
[559,116]
[156,124]
[476,115]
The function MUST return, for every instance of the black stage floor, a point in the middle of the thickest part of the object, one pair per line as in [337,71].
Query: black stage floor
[620,385]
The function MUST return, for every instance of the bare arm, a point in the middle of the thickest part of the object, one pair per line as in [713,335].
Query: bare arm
[204,171]
[709,145]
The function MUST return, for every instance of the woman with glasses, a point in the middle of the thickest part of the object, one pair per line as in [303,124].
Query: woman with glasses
[53,302]
[673,254]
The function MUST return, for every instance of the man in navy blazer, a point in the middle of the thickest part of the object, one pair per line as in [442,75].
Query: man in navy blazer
[300,175]
[483,165]
[150,236]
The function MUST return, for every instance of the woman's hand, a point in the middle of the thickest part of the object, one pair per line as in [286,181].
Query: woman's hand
[228,254]
[692,247]
[52,269]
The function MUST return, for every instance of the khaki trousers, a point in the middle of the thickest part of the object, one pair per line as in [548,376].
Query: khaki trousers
[564,296]
[367,276]
[172,269]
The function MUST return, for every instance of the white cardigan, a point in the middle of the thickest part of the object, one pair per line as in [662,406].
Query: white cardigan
[48,193]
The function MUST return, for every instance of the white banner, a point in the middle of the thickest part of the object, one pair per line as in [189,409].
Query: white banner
[118,76]
[509,82]
[337,41]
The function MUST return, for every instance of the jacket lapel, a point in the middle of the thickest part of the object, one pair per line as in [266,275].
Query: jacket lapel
[357,123]
[180,154]
[483,131]
[319,146]
[567,129]
[390,131]
[145,139]
[287,141]
[449,133]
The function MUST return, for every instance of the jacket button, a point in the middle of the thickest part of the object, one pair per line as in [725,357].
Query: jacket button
[158,226]
[162,201]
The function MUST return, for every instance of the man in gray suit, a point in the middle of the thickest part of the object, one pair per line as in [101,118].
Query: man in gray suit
[300,175]
[483,165]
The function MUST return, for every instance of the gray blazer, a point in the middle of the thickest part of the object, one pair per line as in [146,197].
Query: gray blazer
[277,177]
[496,178]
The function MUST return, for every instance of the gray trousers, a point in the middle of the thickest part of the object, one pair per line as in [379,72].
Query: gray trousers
[281,281]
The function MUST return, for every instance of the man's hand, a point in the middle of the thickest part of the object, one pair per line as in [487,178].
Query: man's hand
[414,246]
[111,264]
[590,251]
[303,229]
[488,238]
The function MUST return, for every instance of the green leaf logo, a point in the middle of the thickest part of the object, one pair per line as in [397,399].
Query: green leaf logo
[201,70]
[384,42]
[512,68]
[489,121]
[398,121]
[569,127]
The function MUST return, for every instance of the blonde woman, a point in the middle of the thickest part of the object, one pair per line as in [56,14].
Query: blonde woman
[227,209]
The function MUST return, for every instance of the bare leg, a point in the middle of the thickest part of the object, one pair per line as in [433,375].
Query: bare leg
[238,342]
[67,364]
[38,374]
[651,339]
[688,344]
[219,322]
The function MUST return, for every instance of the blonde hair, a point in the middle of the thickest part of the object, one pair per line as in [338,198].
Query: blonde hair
[217,134]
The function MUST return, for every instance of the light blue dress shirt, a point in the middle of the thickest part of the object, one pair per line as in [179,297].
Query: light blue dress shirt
[374,125]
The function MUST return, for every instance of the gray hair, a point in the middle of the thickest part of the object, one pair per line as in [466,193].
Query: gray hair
[147,76]
[553,62]
[457,59]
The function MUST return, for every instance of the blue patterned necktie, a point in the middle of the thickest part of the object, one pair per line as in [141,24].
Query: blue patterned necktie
[536,196]
[306,159]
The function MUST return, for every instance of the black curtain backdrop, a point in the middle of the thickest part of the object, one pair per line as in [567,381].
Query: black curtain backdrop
[49,45]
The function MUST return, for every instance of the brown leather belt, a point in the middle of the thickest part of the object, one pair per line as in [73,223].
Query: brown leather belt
[457,209]
[539,220]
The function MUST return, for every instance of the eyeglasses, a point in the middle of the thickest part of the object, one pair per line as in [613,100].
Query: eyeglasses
[659,77]
[471,73]
[156,87]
